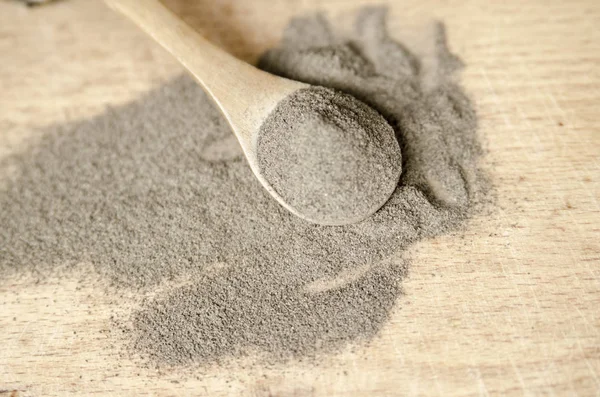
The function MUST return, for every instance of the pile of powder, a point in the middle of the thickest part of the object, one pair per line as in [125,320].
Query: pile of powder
[320,150]
[156,192]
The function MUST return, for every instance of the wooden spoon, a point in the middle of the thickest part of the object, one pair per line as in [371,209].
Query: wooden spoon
[244,94]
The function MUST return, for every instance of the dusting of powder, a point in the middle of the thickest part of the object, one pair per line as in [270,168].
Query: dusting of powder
[157,190]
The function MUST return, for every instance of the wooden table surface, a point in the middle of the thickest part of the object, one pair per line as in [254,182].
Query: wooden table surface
[509,307]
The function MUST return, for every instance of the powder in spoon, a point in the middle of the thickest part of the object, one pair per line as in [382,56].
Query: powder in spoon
[156,193]
[320,150]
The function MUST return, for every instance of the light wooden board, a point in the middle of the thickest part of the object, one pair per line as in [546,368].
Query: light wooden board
[510,307]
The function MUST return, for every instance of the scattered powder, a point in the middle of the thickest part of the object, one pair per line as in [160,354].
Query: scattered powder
[156,191]
[320,150]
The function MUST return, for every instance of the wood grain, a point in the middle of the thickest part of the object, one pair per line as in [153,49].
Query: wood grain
[509,307]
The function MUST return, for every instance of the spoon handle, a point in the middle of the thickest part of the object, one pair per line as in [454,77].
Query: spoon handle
[244,93]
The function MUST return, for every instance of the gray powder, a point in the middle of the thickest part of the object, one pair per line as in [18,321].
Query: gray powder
[157,191]
[319,149]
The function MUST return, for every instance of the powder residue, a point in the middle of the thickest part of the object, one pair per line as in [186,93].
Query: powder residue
[157,191]
[329,156]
